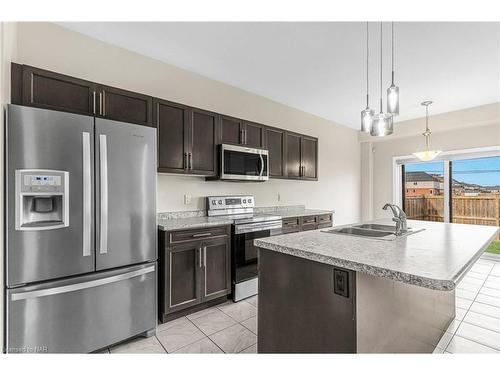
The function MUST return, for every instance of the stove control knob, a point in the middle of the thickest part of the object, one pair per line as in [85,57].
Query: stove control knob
[249,201]
[214,202]
[220,202]
[244,201]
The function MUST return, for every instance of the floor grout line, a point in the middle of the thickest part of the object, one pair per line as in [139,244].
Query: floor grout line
[157,339]
[473,301]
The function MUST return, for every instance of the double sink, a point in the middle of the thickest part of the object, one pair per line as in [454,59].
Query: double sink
[374,231]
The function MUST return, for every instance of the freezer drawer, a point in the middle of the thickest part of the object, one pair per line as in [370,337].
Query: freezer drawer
[82,314]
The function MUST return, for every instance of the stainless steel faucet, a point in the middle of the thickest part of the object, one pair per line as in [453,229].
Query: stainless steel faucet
[399,218]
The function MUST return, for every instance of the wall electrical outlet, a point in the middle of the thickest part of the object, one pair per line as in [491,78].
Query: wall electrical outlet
[187,199]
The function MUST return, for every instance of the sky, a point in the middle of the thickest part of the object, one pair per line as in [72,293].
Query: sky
[481,171]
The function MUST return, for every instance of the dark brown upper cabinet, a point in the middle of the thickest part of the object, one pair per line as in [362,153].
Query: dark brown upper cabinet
[309,158]
[253,134]
[301,157]
[171,120]
[275,143]
[121,105]
[202,140]
[239,132]
[293,166]
[44,89]
[187,139]
[231,130]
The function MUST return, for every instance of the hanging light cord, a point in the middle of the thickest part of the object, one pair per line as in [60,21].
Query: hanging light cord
[380,67]
[367,52]
[392,51]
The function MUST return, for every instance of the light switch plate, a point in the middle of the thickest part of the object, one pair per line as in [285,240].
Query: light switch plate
[187,199]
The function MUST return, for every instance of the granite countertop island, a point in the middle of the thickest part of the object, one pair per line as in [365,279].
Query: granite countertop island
[435,258]
[347,294]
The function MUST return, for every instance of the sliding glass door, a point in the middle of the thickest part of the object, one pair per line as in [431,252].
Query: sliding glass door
[465,190]
[423,190]
[475,195]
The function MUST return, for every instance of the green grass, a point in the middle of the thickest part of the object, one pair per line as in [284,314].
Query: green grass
[494,247]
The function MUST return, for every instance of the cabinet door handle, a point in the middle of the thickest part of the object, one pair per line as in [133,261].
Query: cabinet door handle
[190,161]
[202,234]
[303,171]
[104,103]
[185,161]
[199,257]
[242,139]
[245,135]
[100,103]
[93,102]
[205,256]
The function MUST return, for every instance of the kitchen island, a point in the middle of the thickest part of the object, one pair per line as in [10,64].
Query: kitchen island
[334,293]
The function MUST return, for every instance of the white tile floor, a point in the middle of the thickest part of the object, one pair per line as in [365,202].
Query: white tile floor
[232,327]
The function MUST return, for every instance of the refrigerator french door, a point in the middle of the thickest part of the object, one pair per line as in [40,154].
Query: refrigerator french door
[80,231]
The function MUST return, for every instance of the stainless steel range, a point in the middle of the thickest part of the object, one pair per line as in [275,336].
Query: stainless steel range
[246,227]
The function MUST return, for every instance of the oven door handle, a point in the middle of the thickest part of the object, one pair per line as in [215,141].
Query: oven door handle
[240,229]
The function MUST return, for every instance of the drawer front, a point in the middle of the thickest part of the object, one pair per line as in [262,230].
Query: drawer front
[322,219]
[290,225]
[325,225]
[312,226]
[197,234]
[309,220]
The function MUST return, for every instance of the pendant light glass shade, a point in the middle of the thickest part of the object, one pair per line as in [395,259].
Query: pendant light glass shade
[367,113]
[366,119]
[382,125]
[393,90]
[427,154]
[393,100]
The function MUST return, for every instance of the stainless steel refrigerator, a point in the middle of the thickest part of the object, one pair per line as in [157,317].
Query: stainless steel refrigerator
[80,250]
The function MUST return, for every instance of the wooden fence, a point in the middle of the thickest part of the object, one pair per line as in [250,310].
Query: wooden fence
[482,210]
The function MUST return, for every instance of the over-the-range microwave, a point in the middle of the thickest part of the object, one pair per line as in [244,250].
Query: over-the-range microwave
[243,163]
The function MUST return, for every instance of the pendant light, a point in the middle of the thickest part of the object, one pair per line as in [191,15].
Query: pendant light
[393,90]
[427,154]
[367,113]
[382,124]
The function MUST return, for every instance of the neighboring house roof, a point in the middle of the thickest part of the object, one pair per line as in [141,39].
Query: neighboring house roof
[420,177]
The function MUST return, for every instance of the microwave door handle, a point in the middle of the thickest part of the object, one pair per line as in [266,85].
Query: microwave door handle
[261,165]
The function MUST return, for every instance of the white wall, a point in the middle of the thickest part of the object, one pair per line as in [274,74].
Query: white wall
[469,128]
[52,47]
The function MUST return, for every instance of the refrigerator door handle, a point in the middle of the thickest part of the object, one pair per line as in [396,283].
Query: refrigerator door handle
[80,286]
[87,203]
[103,157]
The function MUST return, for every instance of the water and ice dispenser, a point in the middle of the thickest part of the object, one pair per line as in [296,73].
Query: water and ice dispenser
[42,199]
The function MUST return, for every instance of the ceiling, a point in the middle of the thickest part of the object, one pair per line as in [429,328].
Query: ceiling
[320,67]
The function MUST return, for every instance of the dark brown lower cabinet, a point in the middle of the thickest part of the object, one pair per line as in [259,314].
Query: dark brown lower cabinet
[195,268]
[183,284]
[216,278]
[303,223]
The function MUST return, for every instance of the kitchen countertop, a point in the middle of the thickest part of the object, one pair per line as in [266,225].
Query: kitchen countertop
[193,222]
[435,258]
[182,220]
